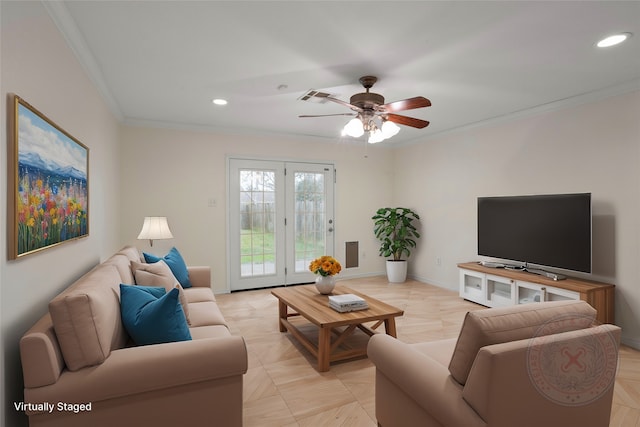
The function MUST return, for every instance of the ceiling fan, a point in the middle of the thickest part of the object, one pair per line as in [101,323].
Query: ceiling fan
[371,113]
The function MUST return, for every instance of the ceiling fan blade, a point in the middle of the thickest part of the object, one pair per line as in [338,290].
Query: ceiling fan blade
[346,104]
[407,121]
[406,104]
[323,97]
[326,115]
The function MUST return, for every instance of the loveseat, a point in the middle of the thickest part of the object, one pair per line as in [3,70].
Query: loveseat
[81,367]
[535,365]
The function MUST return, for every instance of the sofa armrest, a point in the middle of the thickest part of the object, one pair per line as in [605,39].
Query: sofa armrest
[200,276]
[136,370]
[512,372]
[422,379]
[40,354]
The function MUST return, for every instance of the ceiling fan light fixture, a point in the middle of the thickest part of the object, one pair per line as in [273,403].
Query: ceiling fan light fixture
[613,40]
[376,136]
[372,115]
[389,129]
[354,128]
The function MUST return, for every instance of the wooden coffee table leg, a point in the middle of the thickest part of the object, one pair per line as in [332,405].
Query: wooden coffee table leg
[324,349]
[282,315]
[390,326]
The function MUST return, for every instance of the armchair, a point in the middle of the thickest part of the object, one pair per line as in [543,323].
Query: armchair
[540,364]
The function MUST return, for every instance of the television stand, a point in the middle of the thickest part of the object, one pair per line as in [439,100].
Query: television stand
[496,287]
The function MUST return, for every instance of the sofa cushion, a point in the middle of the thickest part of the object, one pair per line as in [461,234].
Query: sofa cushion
[151,320]
[205,313]
[121,262]
[175,262]
[211,331]
[199,294]
[498,325]
[440,350]
[86,318]
[131,252]
[159,274]
[155,274]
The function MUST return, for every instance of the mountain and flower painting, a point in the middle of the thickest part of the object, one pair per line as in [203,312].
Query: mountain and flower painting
[51,186]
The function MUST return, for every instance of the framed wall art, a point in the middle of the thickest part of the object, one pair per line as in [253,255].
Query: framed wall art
[49,175]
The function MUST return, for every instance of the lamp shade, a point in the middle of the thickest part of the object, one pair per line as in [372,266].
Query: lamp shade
[376,136]
[389,129]
[354,128]
[155,228]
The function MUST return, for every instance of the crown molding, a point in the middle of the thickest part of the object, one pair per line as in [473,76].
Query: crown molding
[76,42]
[560,104]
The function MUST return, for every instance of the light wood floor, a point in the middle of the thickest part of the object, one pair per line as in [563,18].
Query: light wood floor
[283,388]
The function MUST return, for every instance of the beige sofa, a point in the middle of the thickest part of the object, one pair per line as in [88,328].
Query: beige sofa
[534,365]
[81,369]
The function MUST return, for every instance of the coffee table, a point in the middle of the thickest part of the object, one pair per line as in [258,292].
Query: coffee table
[307,302]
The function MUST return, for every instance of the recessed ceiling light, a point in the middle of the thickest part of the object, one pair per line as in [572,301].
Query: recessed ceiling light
[220,101]
[613,40]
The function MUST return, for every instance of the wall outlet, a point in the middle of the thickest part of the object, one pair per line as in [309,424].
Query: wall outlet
[439,262]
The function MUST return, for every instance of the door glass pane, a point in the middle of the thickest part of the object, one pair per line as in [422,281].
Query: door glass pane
[257,223]
[310,226]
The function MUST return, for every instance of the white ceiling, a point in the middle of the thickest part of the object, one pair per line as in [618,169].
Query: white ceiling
[160,63]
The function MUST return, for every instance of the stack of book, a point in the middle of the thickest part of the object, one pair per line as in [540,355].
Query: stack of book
[347,302]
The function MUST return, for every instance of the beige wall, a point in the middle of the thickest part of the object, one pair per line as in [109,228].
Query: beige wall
[174,173]
[593,148]
[135,172]
[37,65]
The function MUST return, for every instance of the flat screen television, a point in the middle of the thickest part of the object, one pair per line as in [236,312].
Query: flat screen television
[551,230]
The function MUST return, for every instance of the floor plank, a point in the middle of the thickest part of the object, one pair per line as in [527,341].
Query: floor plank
[282,388]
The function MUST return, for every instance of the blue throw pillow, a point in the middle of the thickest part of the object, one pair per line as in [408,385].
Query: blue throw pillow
[175,262]
[156,291]
[151,320]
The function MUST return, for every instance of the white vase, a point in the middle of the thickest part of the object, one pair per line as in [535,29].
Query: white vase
[396,271]
[325,284]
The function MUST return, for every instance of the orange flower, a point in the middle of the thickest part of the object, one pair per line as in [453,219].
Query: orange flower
[325,266]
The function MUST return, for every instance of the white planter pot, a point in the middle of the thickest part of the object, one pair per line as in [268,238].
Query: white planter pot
[396,271]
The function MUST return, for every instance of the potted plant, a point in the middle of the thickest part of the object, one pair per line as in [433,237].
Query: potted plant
[397,234]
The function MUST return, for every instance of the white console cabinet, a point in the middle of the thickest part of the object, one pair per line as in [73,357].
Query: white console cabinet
[497,287]
[473,286]
[500,291]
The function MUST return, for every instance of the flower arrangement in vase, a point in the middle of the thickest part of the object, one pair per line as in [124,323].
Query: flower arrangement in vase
[326,267]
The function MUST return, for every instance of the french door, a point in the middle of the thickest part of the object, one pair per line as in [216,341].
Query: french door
[280,218]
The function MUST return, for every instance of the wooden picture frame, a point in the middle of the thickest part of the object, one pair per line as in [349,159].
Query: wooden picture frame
[49,178]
